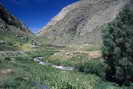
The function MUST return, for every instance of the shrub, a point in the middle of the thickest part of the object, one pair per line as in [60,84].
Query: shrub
[65,85]
[92,66]
[118,48]
[106,85]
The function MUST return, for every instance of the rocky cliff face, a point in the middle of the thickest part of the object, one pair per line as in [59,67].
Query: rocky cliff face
[80,23]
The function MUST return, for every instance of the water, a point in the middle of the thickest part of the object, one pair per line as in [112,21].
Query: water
[39,61]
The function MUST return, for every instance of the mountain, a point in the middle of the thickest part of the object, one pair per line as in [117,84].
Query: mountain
[81,22]
[13,32]
[10,23]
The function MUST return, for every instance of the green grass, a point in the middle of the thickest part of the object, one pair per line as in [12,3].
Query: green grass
[12,42]
[82,63]
[97,67]
[27,72]
[80,58]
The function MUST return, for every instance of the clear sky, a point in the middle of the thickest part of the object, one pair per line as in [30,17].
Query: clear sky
[35,13]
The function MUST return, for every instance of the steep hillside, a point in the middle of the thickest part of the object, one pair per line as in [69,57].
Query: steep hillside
[12,32]
[80,22]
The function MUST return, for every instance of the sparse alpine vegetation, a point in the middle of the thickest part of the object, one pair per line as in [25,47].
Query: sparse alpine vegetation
[13,34]
[74,41]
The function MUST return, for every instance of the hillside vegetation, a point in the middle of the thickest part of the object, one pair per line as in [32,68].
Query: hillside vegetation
[12,32]
[97,60]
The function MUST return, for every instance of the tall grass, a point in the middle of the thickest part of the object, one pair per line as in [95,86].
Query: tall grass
[30,75]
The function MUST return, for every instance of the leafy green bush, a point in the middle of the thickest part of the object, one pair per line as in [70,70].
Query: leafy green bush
[93,66]
[118,48]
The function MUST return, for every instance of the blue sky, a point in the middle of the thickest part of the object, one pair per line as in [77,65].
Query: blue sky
[35,13]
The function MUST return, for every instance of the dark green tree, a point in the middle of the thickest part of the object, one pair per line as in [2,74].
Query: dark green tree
[118,48]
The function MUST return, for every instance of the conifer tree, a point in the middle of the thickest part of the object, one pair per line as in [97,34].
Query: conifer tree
[118,48]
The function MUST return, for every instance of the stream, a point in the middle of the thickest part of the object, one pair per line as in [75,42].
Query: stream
[39,61]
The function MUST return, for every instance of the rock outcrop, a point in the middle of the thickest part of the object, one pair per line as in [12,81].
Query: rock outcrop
[80,22]
[13,33]
[9,23]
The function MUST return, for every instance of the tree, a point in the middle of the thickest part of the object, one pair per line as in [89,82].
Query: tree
[118,48]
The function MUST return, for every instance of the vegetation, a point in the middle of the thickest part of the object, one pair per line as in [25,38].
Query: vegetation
[30,75]
[118,48]
[96,67]
[67,61]
[12,42]
[20,72]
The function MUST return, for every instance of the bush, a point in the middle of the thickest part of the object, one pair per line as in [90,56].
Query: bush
[65,85]
[107,85]
[93,66]
[118,48]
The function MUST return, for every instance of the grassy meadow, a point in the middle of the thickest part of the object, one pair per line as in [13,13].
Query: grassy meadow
[20,72]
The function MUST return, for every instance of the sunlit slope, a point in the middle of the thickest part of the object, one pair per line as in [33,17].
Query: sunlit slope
[80,22]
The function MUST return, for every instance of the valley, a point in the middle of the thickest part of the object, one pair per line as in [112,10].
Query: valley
[76,50]
[19,72]
[23,72]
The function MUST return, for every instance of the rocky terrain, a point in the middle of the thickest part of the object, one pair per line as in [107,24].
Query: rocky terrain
[9,23]
[12,31]
[29,62]
[80,22]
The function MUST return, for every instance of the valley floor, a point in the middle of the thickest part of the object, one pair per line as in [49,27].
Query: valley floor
[21,72]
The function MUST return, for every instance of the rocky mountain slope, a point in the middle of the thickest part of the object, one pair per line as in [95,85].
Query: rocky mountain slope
[80,22]
[10,23]
[12,31]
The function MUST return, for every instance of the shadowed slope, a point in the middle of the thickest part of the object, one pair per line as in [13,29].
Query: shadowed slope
[13,33]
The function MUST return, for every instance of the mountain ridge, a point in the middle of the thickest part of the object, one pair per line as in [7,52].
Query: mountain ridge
[9,19]
[81,22]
